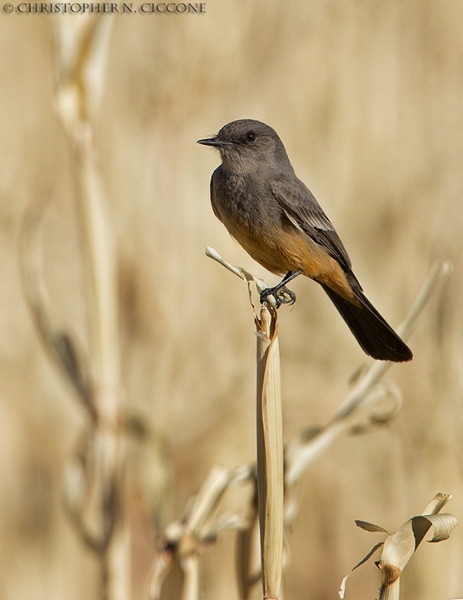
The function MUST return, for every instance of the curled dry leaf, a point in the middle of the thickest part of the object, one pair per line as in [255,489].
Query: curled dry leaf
[400,547]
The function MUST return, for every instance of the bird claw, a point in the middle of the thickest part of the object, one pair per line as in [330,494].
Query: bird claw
[281,295]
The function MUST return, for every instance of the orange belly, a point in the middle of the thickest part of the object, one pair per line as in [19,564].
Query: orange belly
[284,251]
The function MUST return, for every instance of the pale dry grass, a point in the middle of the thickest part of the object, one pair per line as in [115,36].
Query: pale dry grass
[367,99]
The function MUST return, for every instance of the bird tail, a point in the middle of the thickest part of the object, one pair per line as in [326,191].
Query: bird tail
[374,335]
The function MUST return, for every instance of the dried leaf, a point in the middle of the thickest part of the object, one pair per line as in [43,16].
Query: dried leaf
[342,589]
[370,527]
[443,526]
[437,503]
[400,547]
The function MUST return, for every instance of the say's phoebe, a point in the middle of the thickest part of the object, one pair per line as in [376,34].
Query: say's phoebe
[275,217]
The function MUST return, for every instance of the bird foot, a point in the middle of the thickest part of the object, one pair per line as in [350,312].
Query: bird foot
[281,295]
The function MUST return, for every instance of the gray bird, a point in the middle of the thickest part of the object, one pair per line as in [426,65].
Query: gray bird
[277,220]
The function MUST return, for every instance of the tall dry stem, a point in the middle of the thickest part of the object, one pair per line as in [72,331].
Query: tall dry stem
[94,495]
[270,476]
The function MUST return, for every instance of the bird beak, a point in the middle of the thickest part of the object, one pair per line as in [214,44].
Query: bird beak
[214,141]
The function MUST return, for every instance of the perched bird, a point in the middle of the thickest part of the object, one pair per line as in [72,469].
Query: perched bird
[277,220]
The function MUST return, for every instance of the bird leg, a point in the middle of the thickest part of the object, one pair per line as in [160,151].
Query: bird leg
[280,292]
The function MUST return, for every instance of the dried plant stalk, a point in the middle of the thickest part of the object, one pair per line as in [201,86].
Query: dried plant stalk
[190,565]
[307,445]
[270,477]
[248,567]
[82,45]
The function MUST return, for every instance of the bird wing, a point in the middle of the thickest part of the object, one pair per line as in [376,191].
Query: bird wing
[301,208]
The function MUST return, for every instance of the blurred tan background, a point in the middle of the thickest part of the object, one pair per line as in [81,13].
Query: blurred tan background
[368,99]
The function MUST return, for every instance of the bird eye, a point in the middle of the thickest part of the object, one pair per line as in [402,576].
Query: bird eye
[250,136]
